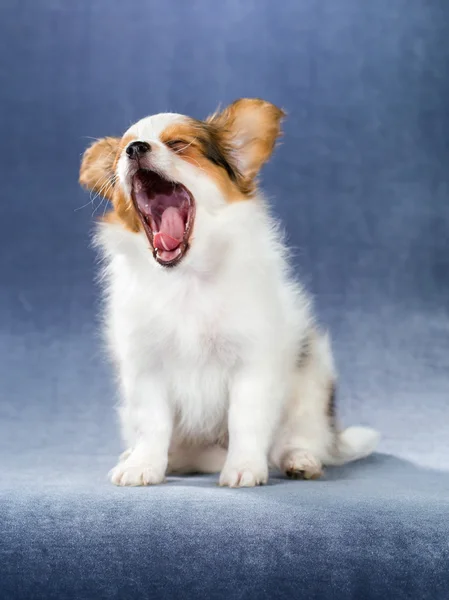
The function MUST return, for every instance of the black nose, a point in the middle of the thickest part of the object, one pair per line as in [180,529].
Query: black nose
[136,149]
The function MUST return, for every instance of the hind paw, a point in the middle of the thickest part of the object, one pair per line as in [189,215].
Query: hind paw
[301,464]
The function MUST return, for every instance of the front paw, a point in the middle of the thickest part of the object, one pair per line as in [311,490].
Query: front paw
[134,473]
[244,473]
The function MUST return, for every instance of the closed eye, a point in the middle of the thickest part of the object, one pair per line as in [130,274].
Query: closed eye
[177,145]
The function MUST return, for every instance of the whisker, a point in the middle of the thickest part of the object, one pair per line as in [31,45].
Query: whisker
[105,209]
[189,158]
[97,207]
[105,189]
[92,199]
[186,146]
[83,206]
[109,182]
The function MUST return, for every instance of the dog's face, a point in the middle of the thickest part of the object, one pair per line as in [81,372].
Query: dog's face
[168,167]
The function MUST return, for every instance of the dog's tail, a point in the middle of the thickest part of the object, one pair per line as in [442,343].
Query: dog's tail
[354,443]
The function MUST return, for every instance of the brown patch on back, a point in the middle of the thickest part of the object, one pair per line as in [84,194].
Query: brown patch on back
[331,407]
[305,354]
[305,350]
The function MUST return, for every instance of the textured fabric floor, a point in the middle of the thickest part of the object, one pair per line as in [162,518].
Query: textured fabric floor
[361,183]
[377,530]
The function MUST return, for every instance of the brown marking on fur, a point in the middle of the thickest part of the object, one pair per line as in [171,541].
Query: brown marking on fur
[301,474]
[111,218]
[331,407]
[98,173]
[125,211]
[201,137]
[231,145]
[123,142]
[305,354]
[250,128]
[123,205]
[297,466]
[199,144]
[97,166]
[305,350]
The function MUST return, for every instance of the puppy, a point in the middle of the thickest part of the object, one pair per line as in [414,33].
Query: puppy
[220,363]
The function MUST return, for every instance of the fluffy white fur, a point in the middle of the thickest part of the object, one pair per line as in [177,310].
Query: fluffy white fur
[220,364]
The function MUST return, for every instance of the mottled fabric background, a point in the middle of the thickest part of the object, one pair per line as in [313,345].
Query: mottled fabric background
[361,184]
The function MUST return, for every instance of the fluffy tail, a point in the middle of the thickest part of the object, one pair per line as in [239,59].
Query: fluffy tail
[355,443]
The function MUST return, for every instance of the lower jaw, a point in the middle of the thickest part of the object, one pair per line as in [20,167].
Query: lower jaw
[165,258]
[169,258]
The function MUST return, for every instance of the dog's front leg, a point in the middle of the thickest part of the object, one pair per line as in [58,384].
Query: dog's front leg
[256,400]
[147,425]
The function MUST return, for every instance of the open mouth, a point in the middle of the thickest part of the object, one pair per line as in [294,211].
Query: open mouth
[167,211]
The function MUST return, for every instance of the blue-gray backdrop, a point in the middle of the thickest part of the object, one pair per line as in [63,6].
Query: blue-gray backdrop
[361,182]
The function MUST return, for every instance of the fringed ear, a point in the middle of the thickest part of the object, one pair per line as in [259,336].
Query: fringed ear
[251,128]
[97,166]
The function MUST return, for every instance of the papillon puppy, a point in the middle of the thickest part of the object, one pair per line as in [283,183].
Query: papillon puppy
[220,363]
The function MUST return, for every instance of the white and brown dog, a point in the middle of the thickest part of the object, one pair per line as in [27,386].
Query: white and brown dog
[221,366]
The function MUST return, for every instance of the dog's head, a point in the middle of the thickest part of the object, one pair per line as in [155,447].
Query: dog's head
[168,167]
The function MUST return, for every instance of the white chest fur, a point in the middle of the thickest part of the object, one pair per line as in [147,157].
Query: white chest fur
[194,327]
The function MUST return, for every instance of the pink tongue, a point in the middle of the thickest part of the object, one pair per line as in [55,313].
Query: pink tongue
[171,230]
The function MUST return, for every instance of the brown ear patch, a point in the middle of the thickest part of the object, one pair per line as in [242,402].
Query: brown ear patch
[250,126]
[98,173]
[97,166]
